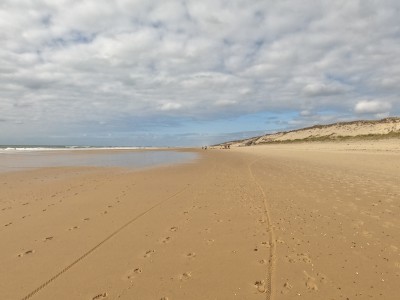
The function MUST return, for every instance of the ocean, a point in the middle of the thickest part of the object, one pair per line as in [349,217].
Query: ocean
[16,158]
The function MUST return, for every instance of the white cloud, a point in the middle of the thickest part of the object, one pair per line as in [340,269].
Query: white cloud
[372,107]
[321,89]
[306,113]
[168,106]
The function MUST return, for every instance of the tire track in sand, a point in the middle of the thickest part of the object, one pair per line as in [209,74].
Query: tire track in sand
[271,237]
[43,285]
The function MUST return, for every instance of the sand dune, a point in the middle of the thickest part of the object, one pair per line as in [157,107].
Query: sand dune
[266,222]
[356,130]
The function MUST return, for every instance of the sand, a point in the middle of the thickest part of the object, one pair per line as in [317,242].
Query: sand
[262,222]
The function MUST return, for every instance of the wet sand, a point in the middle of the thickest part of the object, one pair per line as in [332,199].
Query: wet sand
[265,222]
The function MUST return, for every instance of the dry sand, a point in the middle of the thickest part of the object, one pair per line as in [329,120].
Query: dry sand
[263,222]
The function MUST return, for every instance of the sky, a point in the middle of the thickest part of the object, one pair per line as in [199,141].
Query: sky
[189,72]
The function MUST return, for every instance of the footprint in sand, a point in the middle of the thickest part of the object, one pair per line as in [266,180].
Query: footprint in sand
[86,219]
[73,228]
[191,255]
[210,242]
[311,283]
[173,229]
[8,224]
[185,276]
[26,253]
[322,278]
[262,261]
[100,296]
[304,258]
[266,244]
[132,273]
[149,253]
[300,257]
[164,298]
[166,240]
[260,285]
[49,238]
[286,288]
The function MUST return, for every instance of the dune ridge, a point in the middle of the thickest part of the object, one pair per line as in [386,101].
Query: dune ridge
[343,131]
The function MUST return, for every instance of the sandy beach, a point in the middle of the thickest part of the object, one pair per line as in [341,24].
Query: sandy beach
[298,221]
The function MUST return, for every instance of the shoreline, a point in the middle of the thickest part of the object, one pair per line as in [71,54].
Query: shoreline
[129,159]
[257,222]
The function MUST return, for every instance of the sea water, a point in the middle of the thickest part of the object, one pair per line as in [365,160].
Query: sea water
[22,158]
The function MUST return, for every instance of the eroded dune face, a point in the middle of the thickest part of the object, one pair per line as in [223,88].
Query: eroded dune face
[345,131]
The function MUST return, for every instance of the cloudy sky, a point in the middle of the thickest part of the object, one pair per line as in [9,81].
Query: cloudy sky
[189,72]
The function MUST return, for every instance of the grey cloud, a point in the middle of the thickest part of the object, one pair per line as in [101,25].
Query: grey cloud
[320,89]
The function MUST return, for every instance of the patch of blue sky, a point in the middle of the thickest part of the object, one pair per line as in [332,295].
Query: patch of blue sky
[46,20]
[77,36]
[251,122]
[72,38]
